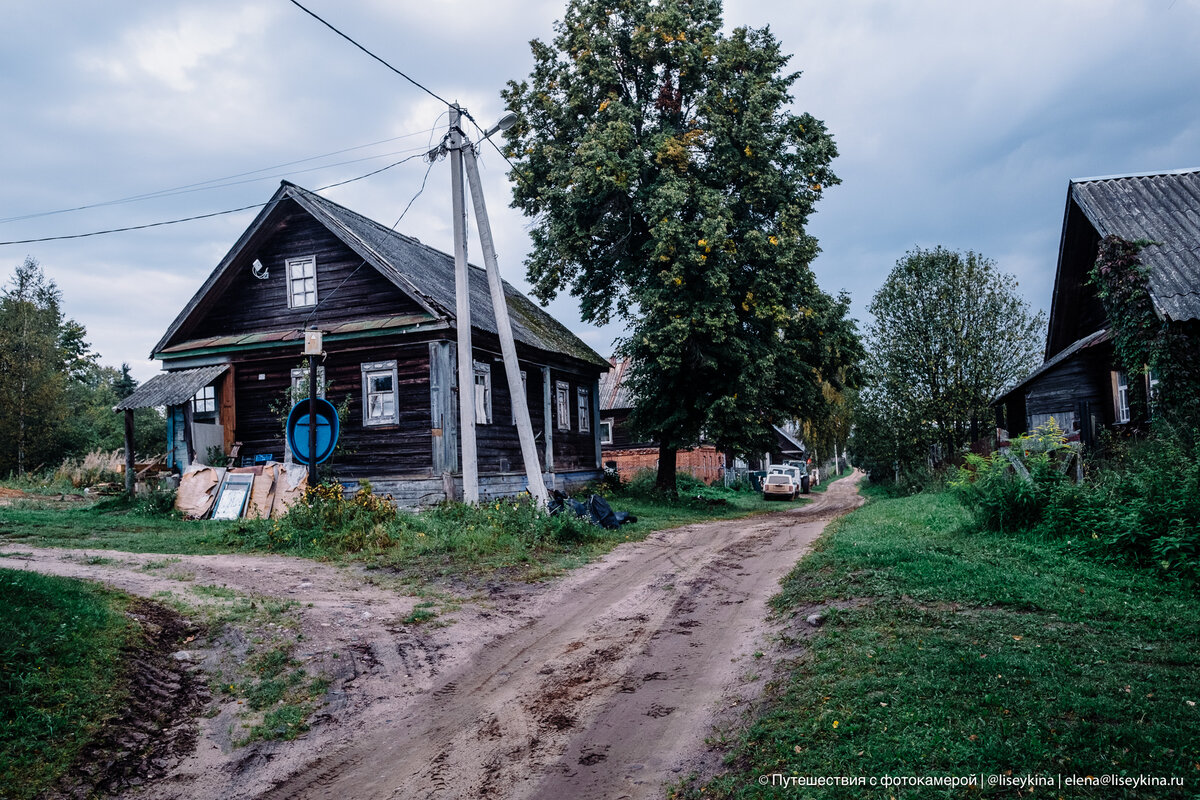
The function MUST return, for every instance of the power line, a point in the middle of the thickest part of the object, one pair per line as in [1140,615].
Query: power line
[412,200]
[228,180]
[133,227]
[372,55]
[202,216]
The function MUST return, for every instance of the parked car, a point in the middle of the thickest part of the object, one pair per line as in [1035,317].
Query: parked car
[779,486]
[799,472]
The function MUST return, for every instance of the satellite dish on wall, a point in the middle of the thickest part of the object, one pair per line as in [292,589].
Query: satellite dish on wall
[259,270]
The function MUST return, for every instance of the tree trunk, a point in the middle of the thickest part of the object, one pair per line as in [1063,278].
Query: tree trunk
[665,482]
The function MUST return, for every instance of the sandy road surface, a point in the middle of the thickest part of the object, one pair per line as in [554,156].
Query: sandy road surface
[603,684]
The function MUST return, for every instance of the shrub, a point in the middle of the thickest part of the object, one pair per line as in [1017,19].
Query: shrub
[1141,504]
[324,519]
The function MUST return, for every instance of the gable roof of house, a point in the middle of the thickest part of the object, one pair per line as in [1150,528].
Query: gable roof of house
[420,271]
[1163,208]
[613,392]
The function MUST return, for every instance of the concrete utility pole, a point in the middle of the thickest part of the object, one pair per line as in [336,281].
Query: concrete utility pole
[508,348]
[462,297]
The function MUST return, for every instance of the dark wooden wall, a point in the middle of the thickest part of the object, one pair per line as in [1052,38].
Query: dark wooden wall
[401,449]
[247,304]
[1075,310]
[405,448]
[1083,378]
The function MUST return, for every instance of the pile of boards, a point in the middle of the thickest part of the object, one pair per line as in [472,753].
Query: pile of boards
[258,492]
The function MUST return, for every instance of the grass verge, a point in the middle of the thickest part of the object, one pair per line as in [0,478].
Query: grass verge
[61,674]
[950,652]
[504,538]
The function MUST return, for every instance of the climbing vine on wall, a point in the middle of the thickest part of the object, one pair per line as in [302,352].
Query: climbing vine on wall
[1141,339]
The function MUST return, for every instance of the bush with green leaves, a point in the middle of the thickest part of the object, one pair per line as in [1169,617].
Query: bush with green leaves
[1140,504]
[1012,491]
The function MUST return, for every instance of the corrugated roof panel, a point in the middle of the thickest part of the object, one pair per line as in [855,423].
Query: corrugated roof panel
[1165,209]
[171,388]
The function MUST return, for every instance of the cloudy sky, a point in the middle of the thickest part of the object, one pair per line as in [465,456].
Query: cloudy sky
[959,123]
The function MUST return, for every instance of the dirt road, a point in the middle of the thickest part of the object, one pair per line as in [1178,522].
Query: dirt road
[604,684]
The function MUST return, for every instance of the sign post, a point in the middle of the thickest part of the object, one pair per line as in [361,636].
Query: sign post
[312,349]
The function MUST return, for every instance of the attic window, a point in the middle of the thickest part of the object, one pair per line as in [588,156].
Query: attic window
[302,281]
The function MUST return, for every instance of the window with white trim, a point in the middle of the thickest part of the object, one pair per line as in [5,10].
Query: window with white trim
[1122,397]
[606,431]
[583,403]
[483,393]
[562,402]
[300,383]
[380,405]
[205,401]
[302,281]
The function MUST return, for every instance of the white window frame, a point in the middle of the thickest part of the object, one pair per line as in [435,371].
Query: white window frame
[583,402]
[205,400]
[483,405]
[606,431]
[299,376]
[1121,397]
[308,296]
[376,369]
[562,403]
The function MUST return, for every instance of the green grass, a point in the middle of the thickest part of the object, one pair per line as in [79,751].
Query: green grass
[498,537]
[61,674]
[970,653]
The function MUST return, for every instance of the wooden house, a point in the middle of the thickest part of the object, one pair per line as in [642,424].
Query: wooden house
[386,305]
[630,454]
[1079,384]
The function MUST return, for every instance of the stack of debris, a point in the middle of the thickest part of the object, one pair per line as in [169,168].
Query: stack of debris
[258,492]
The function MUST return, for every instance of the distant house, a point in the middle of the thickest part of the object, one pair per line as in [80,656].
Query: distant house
[630,454]
[386,304]
[1080,384]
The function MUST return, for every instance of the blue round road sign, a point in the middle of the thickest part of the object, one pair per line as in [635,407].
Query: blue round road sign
[327,430]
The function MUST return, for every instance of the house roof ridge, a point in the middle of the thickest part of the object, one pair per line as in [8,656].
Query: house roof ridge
[1150,174]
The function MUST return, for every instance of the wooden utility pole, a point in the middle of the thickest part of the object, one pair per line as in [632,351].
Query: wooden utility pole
[129,476]
[462,297]
[508,348]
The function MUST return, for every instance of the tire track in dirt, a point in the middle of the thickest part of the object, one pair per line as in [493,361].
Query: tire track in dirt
[604,683]
[608,691]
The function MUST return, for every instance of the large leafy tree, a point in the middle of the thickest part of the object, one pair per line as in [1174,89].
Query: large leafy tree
[950,333]
[37,354]
[670,187]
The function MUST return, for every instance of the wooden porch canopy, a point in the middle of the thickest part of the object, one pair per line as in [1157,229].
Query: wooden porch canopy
[165,389]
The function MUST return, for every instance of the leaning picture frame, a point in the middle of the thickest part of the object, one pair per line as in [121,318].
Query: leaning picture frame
[232,496]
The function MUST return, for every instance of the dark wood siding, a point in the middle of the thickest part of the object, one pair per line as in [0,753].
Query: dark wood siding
[347,289]
[1082,379]
[401,449]
[1076,310]
[573,449]
[622,434]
